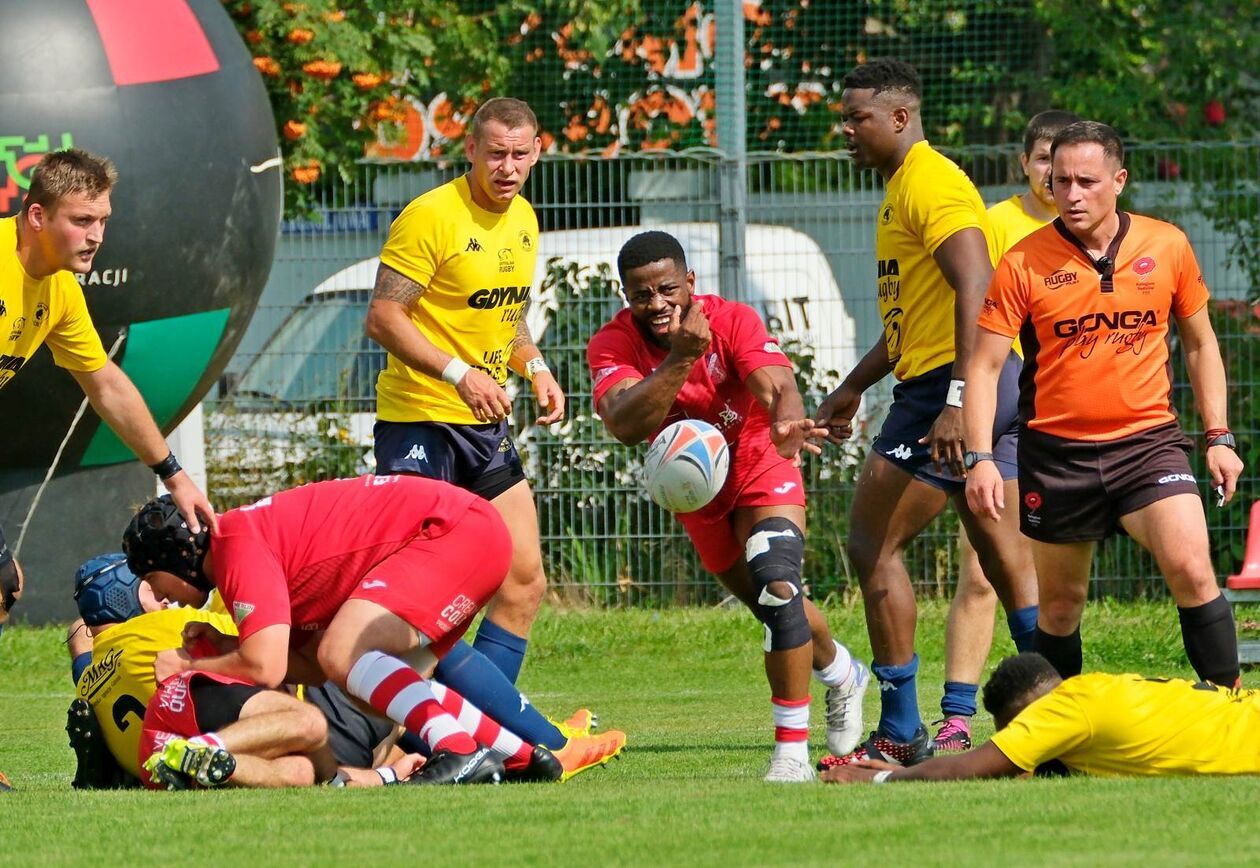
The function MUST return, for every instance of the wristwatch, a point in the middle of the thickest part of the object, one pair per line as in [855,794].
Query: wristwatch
[971,459]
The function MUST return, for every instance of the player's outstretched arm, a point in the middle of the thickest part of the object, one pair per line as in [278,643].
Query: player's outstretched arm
[837,410]
[790,429]
[985,761]
[985,488]
[389,324]
[1207,378]
[118,402]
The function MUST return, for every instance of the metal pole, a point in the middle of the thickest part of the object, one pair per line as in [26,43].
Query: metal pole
[732,128]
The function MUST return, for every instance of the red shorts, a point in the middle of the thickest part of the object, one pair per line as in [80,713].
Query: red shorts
[173,714]
[437,584]
[758,478]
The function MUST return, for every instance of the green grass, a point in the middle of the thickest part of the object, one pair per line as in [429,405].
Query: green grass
[687,687]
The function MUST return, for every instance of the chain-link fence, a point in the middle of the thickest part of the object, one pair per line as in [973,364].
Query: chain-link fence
[298,404]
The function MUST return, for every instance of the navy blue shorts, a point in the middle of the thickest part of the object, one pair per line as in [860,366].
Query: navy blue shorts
[916,404]
[478,458]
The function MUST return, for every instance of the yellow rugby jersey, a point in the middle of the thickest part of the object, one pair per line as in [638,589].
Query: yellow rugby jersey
[119,683]
[926,201]
[49,311]
[477,268]
[1105,724]
[1009,223]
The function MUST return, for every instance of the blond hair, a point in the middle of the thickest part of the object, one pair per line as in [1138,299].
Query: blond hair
[64,173]
[512,113]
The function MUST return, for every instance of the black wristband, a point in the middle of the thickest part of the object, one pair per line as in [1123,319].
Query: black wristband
[1226,439]
[167,467]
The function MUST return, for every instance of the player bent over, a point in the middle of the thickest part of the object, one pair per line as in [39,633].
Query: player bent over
[1092,297]
[676,355]
[360,577]
[1096,724]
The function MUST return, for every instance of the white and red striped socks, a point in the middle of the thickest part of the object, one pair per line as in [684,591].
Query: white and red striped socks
[791,728]
[208,739]
[489,733]
[398,692]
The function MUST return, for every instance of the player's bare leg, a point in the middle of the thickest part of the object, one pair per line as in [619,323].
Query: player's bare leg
[1174,530]
[516,604]
[968,638]
[890,508]
[1062,587]
[284,771]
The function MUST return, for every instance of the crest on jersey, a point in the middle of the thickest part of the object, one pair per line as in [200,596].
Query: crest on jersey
[527,241]
[717,373]
[885,215]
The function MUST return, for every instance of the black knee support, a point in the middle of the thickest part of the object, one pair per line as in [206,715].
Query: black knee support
[775,552]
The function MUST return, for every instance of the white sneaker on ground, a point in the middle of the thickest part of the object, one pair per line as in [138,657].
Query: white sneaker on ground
[844,712]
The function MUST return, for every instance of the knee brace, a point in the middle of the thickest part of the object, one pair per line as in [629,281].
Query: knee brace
[775,552]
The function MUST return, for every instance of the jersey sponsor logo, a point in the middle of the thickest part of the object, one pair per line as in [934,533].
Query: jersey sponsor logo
[603,374]
[488,299]
[96,676]
[459,610]
[1144,266]
[889,282]
[1061,278]
[527,241]
[717,373]
[772,347]
[174,695]
[41,311]
[16,331]
[1126,320]
[507,264]
[417,453]
[1176,477]
[886,215]
[990,305]
[373,584]
[892,333]
[4,311]
[241,611]
[473,246]
[901,452]
[727,417]
[785,488]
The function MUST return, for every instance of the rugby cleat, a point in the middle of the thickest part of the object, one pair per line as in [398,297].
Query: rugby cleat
[580,723]
[447,767]
[882,748]
[587,751]
[844,712]
[786,770]
[206,764]
[543,767]
[954,736]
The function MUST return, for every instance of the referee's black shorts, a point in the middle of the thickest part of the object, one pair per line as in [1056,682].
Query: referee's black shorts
[1076,490]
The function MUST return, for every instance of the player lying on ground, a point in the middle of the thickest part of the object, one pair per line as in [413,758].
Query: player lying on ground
[1097,724]
[676,355]
[1092,297]
[364,582]
[113,646]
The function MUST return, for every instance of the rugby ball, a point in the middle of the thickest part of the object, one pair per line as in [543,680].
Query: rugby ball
[686,466]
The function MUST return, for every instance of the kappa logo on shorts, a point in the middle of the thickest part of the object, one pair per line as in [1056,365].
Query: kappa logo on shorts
[902,452]
[1176,477]
[417,453]
[505,446]
[785,488]
[459,610]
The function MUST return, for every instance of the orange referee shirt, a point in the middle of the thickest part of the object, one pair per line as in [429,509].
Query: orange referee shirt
[1096,360]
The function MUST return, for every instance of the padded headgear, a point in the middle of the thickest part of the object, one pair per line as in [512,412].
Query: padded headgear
[106,591]
[158,538]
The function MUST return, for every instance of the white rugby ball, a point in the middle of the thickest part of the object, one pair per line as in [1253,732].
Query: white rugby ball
[686,465]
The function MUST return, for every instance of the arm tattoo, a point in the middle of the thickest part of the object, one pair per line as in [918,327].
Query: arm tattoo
[523,339]
[392,286]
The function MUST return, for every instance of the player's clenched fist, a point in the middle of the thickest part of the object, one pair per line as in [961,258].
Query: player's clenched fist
[689,333]
[836,413]
[485,397]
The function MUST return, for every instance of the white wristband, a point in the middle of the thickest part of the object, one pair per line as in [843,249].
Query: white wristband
[388,775]
[953,397]
[455,370]
[880,777]
[535,366]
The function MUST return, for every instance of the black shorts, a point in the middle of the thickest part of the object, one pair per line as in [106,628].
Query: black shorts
[478,458]
[916,404]
[352,735]
[218,705]
[1076,490]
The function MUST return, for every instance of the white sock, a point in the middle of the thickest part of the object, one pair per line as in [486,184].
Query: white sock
[208,739]
[839,672]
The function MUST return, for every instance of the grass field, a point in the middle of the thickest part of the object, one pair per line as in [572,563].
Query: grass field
[687,687]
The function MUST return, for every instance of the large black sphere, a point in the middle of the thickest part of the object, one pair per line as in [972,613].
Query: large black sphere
[167,90]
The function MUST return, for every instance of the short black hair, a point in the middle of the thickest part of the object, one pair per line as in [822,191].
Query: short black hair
[1046,125]
[648,247]
[1090,132]
[1015,678]
[885,73]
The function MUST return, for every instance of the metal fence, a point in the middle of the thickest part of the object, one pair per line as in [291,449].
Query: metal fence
[297,404]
